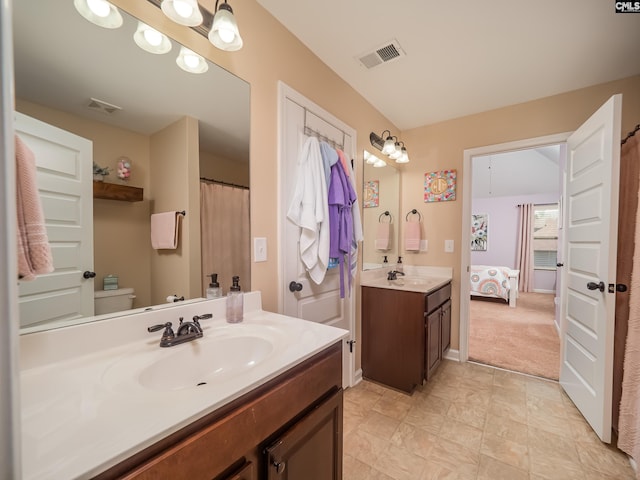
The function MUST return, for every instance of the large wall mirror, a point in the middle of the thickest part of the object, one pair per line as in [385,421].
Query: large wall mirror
[381,207]
[62,62]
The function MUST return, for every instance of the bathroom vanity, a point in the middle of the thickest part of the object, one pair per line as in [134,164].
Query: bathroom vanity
[406,328]
[245,401]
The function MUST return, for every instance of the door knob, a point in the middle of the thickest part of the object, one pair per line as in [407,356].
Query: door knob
[295,286]
[596,286]
[87,274]
[559,264]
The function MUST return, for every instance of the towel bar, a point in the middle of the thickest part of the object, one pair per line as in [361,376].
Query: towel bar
[414,212]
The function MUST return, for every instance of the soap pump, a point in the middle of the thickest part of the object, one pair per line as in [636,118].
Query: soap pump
[235,302]
[214,290]
[399,266]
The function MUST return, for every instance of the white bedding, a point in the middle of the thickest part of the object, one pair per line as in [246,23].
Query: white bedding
[497,282]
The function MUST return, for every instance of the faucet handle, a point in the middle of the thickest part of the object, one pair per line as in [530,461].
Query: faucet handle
[197,318]
[168,331]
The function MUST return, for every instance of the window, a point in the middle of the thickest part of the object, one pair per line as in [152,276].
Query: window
[545,237]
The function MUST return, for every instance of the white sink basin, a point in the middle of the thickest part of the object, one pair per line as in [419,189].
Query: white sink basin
[199,363]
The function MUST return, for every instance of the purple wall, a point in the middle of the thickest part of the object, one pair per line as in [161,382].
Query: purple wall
[502,234]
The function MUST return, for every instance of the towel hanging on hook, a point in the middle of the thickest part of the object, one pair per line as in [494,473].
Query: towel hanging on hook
[414,212]
[385,214]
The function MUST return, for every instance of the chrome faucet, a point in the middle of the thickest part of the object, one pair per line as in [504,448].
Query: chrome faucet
[393,275]
[187,331]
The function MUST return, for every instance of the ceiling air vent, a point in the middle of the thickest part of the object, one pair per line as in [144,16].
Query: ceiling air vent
[385,53]
[102,106]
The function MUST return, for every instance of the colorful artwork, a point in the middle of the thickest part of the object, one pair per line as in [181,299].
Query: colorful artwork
[371,194]
[479,223]
[440,186]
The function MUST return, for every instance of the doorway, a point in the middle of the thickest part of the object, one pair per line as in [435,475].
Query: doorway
[510,329]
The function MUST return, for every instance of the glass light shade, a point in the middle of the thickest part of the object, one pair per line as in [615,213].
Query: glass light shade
[396,152]
[404,158]
[184,12]
[151,40]
[372,160]
[389,146]
[191,62]
[99,12]
[224,33]
[380,163]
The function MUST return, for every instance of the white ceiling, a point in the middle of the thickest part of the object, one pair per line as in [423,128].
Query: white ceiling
[465,56]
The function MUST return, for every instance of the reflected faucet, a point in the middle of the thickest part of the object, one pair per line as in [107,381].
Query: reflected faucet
[187,331]
[393,275]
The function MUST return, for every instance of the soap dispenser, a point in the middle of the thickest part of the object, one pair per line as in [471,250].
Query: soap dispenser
[235,302]
[214,290]
[399,266]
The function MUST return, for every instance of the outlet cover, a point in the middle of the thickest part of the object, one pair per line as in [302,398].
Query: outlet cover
[260,249]
[448,246]
[424,245]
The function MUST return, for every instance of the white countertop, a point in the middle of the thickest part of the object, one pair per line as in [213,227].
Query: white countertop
[83,413]
[419,279]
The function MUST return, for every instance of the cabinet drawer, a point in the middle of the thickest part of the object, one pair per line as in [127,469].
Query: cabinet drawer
[437,298]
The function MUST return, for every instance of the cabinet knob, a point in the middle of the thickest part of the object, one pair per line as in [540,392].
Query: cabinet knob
[280,466]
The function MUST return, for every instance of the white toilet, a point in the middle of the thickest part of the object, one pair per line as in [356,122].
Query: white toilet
[109,301]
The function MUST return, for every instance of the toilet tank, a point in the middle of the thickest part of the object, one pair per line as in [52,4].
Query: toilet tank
[109,301]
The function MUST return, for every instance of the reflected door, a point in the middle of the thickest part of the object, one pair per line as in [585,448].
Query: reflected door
[64,171]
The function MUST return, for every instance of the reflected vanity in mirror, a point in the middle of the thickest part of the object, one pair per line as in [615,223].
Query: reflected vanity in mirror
[380,219]
[174,128]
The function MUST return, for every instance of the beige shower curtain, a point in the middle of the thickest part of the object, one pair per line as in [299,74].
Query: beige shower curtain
[224,223]
[524,256]
[629,420]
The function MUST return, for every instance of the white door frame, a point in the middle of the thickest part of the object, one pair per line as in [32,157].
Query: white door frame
[285,92]
[465,253]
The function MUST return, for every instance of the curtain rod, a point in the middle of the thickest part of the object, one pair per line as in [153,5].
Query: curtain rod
[630,134]
[220,182]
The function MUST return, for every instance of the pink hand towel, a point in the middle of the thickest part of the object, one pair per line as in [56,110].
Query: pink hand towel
[383,235]
[164,230]
[412,236]
[34,251]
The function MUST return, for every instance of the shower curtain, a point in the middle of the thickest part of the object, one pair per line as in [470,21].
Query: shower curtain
[629,420]
[524,261]
[224,223]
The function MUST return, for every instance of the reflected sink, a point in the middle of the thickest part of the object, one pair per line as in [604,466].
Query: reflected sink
[206,361]
[411,280]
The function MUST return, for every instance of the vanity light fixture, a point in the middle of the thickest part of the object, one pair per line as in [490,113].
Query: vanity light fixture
[390,146]
[224,33]
[191,62]
[151,40]
[379,163]
[184,12]
[99,12]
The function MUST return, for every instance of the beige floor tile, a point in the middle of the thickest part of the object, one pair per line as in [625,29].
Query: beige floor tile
[393,407]
[473,415]
[374,387]
[363,446]
[507,451]
[508,429]
[354,469]
[604,459]
[507,379]
[400,464]
[380,425]
[595,475]
[362,396]
[544,388]
[509,394]
[454,460]
[420,417]
[513,411]
[556,469]
[546,406]
[353,416]
[549,423]
[433,471]
[462,434]
[378,475]
[432,403]
[492,469]
[546,445]
[474,396]
[415,440]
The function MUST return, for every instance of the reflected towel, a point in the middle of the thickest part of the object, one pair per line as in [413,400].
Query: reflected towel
[164,230]
[34,252]
[383,235]
[412,236]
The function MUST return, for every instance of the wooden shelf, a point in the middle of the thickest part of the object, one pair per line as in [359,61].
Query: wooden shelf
[113,191]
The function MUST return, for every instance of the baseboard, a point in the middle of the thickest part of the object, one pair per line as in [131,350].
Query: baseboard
[357,378]
[633,463]
[536,290]
[452,354]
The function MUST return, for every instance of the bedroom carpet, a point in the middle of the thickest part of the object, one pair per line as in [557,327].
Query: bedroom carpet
[523,339]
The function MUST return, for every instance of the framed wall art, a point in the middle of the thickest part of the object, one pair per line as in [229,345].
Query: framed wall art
[479,231]
[440,186]
[371,194]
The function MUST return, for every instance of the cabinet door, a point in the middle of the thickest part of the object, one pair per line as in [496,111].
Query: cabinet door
[446,326]
[433,353]
[312,448]
[246,472]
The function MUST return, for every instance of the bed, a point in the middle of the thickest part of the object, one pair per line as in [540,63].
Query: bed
[494,282]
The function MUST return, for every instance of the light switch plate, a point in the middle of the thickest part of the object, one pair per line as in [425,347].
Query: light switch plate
[260,249]
[424,245]
[448,246]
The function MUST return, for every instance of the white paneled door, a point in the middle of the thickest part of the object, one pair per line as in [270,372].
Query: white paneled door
[64,176]
[591,226]
[301,297]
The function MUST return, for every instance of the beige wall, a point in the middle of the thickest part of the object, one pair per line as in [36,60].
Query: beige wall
[224,169]
[175,181]
[441,146]
[117,226]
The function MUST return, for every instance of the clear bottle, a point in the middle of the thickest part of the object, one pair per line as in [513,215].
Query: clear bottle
[214,290]
[235,302]
[399,265]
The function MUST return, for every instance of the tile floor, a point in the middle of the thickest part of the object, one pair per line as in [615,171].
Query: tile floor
[473,422]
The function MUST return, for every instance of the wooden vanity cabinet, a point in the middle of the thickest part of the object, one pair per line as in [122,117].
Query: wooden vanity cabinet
[285,429]
[404,335]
